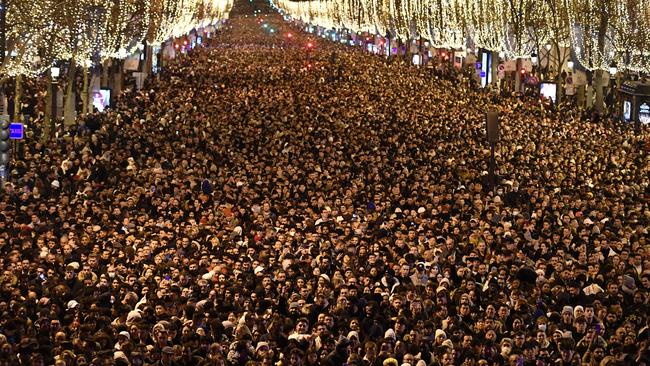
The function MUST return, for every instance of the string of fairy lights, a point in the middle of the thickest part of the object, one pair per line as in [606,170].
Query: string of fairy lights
[42,32]
[598,32]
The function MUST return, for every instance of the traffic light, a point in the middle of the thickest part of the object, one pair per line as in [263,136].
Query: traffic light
[289,35]
[5,143]
[310,45]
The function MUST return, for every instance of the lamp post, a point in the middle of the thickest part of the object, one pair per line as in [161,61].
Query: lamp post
[534,60]
[613,71]
[54,87]
[493,136]
[388,44]
[309,46]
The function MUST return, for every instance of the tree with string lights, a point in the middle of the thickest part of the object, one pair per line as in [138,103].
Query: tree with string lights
[593,41]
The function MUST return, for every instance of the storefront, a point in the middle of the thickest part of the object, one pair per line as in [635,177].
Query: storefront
[635,102]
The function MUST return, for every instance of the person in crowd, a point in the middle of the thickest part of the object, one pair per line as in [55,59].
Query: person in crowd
[245,208]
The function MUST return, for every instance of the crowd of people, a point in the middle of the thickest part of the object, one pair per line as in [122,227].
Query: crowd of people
[251,207]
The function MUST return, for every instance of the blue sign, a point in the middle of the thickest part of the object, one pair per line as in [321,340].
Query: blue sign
[16,131]
[483,74]
[478,65]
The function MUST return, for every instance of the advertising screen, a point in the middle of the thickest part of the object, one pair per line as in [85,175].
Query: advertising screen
[644,113]
[483,67]
[101,99]
[627,111]
[548,90]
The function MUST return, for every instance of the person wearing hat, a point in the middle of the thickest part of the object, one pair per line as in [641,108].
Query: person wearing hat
[123,338]
[234,194]
[262,350]
[167,357]
[567,317]
[439,337]
[390,361]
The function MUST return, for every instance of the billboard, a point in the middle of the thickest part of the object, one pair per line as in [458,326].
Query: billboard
[644,113]
[627,111]
[101,99]
[548,90]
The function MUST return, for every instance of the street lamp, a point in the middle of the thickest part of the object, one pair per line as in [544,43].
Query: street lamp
[54,73]
[612,97]
[310,47]
[533,58]
[612,69]
[570,65]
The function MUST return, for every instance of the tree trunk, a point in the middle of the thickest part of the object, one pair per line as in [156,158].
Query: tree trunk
[3,100]
[518,76]
[17,97]
[69,114]
[581,96]
[148,63]
[407,50]
[598,86]
[598,77]
[105,80]
[558,71]
[84,93]
[117,84]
